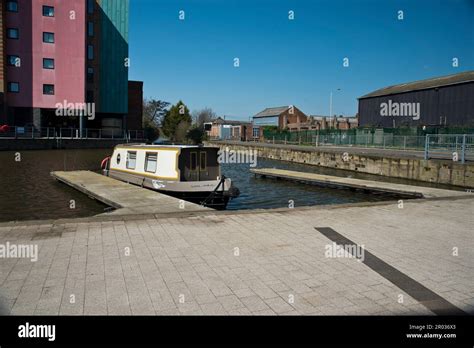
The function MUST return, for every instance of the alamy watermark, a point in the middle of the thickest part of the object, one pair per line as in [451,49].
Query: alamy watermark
[37,331]
[75,109]
[392,109]
[241,156]
[24,251]
[345,251]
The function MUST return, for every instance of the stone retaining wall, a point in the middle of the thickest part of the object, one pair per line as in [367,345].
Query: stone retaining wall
[438,171]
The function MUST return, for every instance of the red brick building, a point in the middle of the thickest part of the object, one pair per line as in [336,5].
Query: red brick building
[279,117]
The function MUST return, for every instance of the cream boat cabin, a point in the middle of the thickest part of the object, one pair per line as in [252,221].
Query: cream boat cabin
[191,173]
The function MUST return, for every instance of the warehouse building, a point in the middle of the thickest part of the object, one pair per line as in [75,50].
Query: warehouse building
[446,101]
[279,116]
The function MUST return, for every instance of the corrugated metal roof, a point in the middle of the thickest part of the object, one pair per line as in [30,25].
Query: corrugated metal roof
[272,111]
[463,77]
[318,116]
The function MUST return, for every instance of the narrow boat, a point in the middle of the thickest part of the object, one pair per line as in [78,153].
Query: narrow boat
[191,173]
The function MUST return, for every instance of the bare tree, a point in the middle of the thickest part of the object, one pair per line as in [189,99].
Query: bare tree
[202,116]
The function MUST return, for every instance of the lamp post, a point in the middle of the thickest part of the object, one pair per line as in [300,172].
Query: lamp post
[330,102]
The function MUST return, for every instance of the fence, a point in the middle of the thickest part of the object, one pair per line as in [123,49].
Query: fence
[388,141]
[456,147]
[70,133]
[270,132]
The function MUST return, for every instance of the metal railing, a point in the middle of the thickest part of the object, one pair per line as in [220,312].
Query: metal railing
[458,147]
[455,147]
[385,141]
[70,133]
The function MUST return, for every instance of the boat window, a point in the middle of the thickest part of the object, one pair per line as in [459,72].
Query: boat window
[131,159]
[193,160]
[150,162]
[203,160]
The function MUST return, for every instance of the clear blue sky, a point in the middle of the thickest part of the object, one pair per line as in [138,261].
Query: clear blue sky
[297,62]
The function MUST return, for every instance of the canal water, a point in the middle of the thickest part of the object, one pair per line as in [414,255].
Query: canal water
[28,192]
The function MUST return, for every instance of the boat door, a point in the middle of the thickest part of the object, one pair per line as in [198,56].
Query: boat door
[198,165]
[193,173]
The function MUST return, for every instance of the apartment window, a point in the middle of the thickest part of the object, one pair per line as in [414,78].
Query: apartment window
[90,96]
[14,61]
[48,63]
[90,52]
[13,87]
[90,28]
[90,75]
[13,33]
[202,160]
[12,6]
[193,160]
[48,11]
[90,6]
[131,159]
[150,162]
[48,89]
[48,37]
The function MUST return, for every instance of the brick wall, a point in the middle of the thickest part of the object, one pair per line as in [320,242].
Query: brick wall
[292,115]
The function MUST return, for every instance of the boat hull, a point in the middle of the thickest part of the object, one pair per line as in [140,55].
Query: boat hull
[217,200]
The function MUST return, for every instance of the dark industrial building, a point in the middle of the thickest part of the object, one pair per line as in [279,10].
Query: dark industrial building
[446,101]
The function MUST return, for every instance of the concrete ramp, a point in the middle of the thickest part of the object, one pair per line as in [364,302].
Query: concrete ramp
[369,185]
[126,198]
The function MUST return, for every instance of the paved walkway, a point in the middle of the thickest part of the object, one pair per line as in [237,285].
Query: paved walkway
[272,262]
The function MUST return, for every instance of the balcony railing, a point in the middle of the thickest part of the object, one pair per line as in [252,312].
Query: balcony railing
[70,133]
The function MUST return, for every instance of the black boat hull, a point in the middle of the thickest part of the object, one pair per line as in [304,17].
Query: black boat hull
[217,200]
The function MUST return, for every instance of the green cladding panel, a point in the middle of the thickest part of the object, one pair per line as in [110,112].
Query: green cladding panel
[113,52]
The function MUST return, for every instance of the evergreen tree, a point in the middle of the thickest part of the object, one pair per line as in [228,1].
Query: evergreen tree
[176,122]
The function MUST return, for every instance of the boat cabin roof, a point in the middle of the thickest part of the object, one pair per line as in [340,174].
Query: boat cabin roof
[147,146]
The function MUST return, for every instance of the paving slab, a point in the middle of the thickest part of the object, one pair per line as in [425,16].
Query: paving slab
[283,267]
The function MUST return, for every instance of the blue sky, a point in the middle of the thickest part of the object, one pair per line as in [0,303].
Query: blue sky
[296,62]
